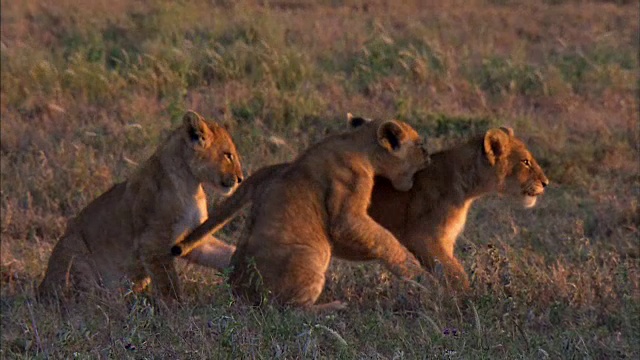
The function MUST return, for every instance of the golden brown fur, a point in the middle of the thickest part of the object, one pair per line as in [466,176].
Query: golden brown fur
[317,203]
[126,232]
[428,218]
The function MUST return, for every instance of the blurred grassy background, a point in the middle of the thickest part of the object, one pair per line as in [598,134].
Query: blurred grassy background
[89,88]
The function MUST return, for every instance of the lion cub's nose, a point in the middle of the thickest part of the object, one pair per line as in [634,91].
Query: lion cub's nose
[545,182]
[239,179]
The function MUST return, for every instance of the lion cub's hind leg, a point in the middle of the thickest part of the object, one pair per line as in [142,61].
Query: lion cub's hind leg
[69,270]
[304,282]
[307,293]
[297,283]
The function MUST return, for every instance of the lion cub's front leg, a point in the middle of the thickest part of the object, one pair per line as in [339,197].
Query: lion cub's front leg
[359,236]
[362,237]
[160,266]
[164,277]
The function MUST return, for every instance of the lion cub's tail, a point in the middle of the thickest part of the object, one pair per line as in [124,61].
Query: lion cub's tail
[227,209]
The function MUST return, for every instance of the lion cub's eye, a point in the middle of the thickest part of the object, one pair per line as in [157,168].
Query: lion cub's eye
[526,163]
[228,156]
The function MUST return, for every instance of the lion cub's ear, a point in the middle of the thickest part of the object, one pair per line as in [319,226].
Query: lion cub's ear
[496,142]
[197,130]
[508,130]
[391,135]
[356,121]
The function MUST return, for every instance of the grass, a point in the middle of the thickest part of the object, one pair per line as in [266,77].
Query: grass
[89,90]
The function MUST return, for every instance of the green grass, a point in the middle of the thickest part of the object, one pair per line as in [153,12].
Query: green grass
[87,91]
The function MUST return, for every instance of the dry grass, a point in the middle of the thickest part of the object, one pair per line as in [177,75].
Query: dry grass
[90,87]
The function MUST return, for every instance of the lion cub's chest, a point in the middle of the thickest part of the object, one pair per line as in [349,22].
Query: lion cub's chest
[454,224]
[195,212]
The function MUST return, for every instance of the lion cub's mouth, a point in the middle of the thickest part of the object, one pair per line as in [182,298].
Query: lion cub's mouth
[530,197]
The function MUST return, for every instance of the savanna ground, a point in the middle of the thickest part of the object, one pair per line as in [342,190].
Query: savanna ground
[90,87]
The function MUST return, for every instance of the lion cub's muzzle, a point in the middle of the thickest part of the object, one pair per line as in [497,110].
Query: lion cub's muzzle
[230,183]
[532,191]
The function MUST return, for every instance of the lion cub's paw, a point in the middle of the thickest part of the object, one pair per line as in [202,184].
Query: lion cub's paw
[329,307]
[410,268]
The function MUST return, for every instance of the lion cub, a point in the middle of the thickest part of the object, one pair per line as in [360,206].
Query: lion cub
[319,203]
[125,233]
[429,218]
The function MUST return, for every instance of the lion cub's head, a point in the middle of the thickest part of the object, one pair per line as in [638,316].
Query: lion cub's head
[518,172]
[400,152]
[211,154]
